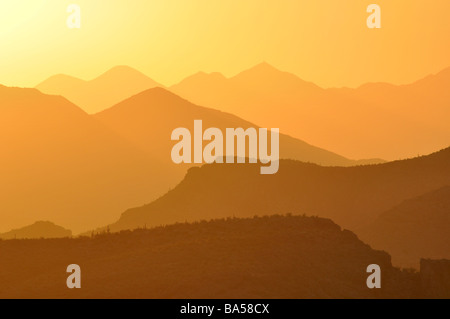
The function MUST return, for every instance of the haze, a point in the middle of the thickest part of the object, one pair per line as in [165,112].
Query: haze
[168,40]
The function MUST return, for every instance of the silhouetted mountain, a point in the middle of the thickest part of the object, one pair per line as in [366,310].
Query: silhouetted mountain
[273,257]
[424,102]
[208,89]
[417,228]
[148,119]
[81,171]
[387,121]
[39,229]
[352,196]
[102,92]
[58,163]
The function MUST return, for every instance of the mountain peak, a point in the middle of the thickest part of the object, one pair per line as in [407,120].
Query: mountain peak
[106,90]
[159,95]
[122,72]
[156,96]
[264,67]
[159,91]
[266,75]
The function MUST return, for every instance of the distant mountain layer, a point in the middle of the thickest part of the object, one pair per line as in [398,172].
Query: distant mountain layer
[38,230]
[100,93]
[58,163]
[375,120]
[148,119]
[417,228]
[81,171]
[276,257]
[352,196]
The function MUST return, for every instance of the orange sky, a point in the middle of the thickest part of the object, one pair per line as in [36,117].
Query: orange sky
[323,41]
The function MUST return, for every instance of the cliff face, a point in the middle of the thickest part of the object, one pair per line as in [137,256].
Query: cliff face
[435,278]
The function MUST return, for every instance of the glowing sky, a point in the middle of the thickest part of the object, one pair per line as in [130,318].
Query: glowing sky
[323,41]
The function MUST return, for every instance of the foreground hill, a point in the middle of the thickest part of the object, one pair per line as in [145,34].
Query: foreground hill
[148,119]
[387,121]
[39,229]
[417,228]
[271,257]
[58,163]
[100,93]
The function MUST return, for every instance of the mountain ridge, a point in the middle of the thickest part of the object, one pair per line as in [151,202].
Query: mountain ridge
[66,164]
[105,90]
[147,113]
[373,121]
[416,228]
[352,196]
[270,257]
[40,229]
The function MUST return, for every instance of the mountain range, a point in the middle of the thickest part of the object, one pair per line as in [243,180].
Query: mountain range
[60,164]
[98,94]
[148,119]
[375,120]
[81,171]
[353,197]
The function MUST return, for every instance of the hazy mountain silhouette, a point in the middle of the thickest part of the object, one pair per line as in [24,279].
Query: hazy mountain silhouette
[81,170]
[102,92]
[425,100]
[352,196]
[376,120]
[417,228]
[272,257]
[39,229]
[148,119]
[60,164]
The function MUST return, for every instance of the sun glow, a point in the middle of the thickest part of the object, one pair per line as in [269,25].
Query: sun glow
[171,39]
